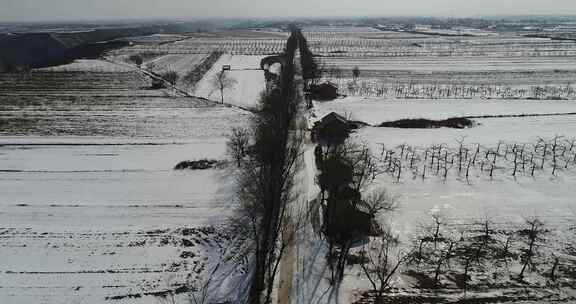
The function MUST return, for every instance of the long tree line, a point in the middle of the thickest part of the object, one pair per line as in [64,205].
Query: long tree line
[267,170]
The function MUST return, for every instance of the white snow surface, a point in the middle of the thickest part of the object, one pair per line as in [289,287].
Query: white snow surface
[84,222]
[374,110]
[90,206]
[249,81]
[488,132]
[506,201]
[90,65]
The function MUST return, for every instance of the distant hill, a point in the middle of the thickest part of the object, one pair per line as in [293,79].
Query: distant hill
[34,50]
[38,47]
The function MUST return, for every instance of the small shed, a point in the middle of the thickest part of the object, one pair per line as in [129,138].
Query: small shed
[332,129]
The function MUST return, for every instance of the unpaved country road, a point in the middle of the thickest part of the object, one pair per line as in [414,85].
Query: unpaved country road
[299,227]
[287,265]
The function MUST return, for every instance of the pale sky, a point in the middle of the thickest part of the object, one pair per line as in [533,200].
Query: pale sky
[40,10]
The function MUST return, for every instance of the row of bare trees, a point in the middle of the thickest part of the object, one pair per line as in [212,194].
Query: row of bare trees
[480,254]
[466,161]
[380,88]
[267,157]
[267,178]
[473,257]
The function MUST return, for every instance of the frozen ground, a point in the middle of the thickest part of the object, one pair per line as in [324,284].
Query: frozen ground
[451,64]
[90,206]
[179,63]
[94,210]
[90,65]
[374,110]
[240,42]
[489,132]
[247,74]
[81,223]
[506,201]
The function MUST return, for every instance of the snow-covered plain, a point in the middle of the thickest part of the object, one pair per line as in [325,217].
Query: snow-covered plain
[374,110]
[94,209]
[516,199]
[90,206]
[488,132]
[81,223]
[245,70]
[90,65]
[451,64]
[504,60]
[504,200]
[181,64]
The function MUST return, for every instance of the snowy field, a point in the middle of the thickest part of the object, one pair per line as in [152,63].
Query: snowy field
[516,198]
[91,208]
[374,110]
[407,61]
[488,132]
[238,42]
[245,70]
[101,79]
[90,65]
[506,201]
[450,64]
[85,236]
[181,64]
[86,222]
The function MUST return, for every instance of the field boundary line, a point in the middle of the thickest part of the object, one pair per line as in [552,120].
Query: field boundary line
[180,91]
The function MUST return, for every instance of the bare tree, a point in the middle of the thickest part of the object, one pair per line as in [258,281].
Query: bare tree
[381,263]
[363,163]
[439,219]
[380,201]
[222,81]
[237,144]
[533,235]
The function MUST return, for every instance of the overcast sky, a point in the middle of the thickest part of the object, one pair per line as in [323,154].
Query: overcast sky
[40,10]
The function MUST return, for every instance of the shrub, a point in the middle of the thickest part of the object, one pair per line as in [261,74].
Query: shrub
[171,77]
[420,123]
[202,164]
[136,59]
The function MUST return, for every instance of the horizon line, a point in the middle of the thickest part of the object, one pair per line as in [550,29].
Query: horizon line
[275,18]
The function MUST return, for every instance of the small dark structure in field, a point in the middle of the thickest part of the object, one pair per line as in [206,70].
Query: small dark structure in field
[202,164]
[334,129]
[324,92]
[157,84]
[420,123]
